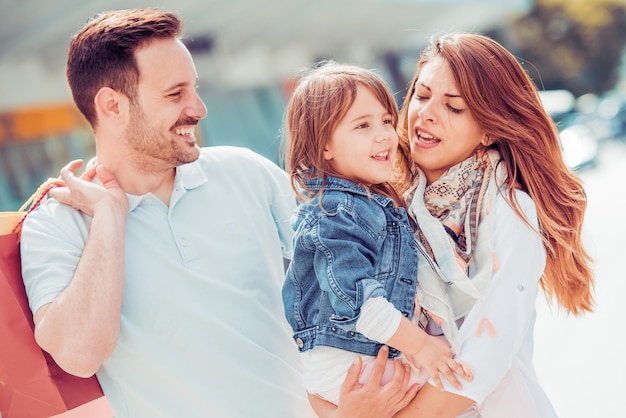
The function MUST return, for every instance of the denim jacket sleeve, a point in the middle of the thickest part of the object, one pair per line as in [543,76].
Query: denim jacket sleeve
[348,244]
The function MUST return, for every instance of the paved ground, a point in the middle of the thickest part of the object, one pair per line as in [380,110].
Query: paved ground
[580,361]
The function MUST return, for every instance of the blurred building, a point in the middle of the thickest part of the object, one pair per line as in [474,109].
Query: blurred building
[246,52]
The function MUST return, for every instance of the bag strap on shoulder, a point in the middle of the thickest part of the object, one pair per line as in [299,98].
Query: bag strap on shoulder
[36,198]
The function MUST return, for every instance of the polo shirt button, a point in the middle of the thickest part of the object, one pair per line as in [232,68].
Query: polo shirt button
[520,287]
[184,242]
[300,343]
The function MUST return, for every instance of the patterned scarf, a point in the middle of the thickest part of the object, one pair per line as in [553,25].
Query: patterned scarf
[455,198]
[450,214]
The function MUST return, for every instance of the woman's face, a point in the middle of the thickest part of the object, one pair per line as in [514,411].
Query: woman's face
[442,131]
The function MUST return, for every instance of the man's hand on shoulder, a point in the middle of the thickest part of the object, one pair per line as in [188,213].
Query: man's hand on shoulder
[86,196]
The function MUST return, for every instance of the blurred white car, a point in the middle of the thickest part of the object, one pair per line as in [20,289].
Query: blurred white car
[580,146]
[579,131]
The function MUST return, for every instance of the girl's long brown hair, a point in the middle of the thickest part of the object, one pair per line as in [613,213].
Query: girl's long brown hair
[506,105]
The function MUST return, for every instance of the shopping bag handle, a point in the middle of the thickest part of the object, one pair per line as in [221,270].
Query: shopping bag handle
[36,198]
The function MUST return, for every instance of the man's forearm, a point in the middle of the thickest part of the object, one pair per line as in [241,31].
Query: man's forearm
[80,327]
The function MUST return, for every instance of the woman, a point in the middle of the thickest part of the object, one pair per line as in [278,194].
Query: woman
[498,214]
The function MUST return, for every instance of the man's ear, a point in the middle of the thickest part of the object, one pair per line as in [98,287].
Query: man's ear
[111,105]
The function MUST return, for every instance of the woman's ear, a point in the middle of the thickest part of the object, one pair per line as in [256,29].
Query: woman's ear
[111,105]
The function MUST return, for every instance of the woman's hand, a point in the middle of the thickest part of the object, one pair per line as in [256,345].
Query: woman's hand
[371,399]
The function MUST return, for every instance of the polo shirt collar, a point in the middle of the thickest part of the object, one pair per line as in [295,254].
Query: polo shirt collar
[188,177]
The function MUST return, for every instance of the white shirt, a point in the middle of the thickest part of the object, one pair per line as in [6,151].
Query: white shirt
[505,383]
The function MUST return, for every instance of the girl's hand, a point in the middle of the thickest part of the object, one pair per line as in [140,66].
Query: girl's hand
[436,357]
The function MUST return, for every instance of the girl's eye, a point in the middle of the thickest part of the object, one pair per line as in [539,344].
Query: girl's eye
[362,126]
[420,98]
[387,121]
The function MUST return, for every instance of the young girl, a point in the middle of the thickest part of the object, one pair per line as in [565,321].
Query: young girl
[350,286]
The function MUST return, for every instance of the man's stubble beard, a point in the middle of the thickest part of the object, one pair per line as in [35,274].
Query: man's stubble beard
[154,150]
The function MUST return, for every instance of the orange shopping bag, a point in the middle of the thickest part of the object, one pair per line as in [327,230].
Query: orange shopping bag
[32,385]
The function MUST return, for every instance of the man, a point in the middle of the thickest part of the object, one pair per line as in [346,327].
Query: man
[161,274]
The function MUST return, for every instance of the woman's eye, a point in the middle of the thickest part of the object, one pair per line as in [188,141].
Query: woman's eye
[420,98]
[387,121]
[455,110]
[362,126]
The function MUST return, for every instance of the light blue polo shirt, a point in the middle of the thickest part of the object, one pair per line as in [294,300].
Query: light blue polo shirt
[203,333]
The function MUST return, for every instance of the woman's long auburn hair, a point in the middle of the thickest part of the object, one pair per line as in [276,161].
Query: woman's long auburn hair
[322,98]
[506,105]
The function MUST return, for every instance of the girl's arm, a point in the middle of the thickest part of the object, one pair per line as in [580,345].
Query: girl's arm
[379,320]
[431,353]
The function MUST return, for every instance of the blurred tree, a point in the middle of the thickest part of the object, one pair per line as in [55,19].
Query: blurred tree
[570,44]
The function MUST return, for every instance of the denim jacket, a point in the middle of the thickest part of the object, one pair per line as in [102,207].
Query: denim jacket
[357,247]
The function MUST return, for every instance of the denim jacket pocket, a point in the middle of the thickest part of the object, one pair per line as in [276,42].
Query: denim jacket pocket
[387,265]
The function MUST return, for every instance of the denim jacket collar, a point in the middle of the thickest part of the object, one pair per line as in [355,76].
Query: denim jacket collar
[344,185]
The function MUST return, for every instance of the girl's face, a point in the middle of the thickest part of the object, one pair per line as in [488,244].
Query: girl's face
[442,131]
[363,145]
